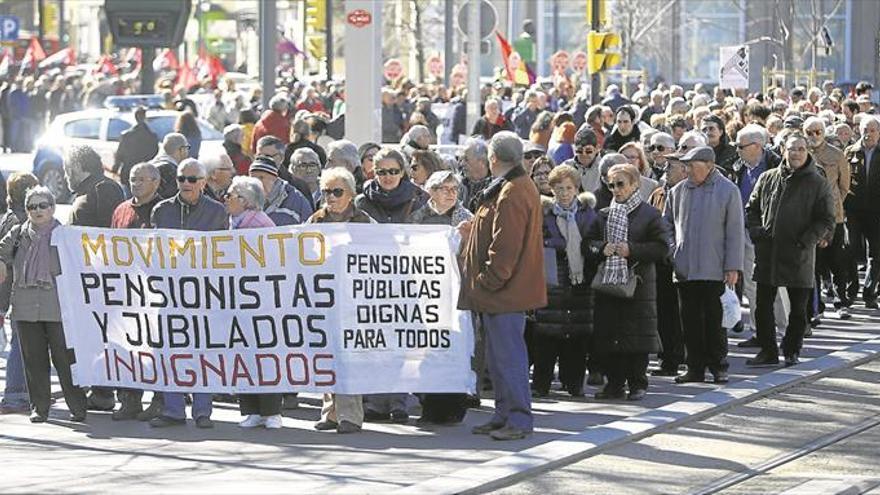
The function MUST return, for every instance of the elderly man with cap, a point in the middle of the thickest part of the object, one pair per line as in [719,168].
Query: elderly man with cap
[531,152]
[273,148]
[175,148]
[707,213]
[285,204]
[789,213]
[586,158]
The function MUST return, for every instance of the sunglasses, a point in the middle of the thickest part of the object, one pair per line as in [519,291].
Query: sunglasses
[335,192]
[39,206]
[657,147]
[683,147]
[616,185]
[192,179]
[534,155]
[186,147]
[382,172]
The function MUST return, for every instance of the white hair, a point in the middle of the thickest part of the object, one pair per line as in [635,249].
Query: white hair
[249,190]
[148,167]
[664,139]
[814,121]
[866,120]
[214,162]
[341,174]
[192,162]
[693,135]
[440,177]
[752,133]
[39,192]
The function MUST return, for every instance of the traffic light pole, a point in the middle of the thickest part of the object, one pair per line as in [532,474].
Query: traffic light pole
[473,94]
[268,39]
[595,97]
[328,27]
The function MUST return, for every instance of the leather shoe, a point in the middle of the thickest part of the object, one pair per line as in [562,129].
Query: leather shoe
[792,360]
[347,427]
[637,394]
[486,428]
[871,304]
[750,342]
[691,377]
[399,417]
[163,421]
[376,416]
[606,394]
[664,372]
[720,376]
[78,417]
[763,359]
[204,422]
[326,425]
[101,402]
[508,433]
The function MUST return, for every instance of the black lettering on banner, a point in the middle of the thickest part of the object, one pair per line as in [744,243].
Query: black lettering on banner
[300,292]
[109,289]
[88,281]
[316,330]
[243,283]
[236,336]
[432,313]
[285,327]
[276,287]
[273,334]
[364,338]
[139,340]
[102,324]
[327,291]
[177,327]
[423,338]
[160,339]
[196,301]
[151,281]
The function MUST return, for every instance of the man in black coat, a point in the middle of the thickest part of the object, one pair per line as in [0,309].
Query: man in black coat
[862,206]
[790,212]
[137,144]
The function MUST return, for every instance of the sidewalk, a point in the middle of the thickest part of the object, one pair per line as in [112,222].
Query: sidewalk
[61,457]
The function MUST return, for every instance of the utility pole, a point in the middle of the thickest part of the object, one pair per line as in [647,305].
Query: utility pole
[595,26]
[473,100]
[268,58]
[61,31]
[363,68]
[448,35]
[328,27]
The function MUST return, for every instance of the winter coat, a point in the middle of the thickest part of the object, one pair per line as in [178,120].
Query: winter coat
[486,129]
[271,124]
[136,145]
[96,198]
[503,262]
[837,173]
[205,215]
[630,325]
[168,175]
[788,213]
[569,309]
[864,187]
[288,206]
[131,216]
[398,215]
[10,219]
[29,303]
[252,219]
[427,216]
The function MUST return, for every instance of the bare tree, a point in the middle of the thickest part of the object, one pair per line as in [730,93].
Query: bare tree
[425,25]
[643,32]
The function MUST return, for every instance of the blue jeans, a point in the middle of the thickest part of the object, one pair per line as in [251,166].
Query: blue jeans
[175,407]
[508,363]
[16,393]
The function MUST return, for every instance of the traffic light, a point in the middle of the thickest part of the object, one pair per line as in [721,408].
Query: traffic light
[316,14]
[315,46]
[598,56]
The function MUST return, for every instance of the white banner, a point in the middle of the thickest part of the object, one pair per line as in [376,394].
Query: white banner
[345,308]
[734,72]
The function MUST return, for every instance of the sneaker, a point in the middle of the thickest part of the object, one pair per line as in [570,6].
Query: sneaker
[326,425]
[844,314]
[164,421]
[738,328]
[763,359]
[399,417]
[691,377]
[204,422]
[251,421]
[153,411]
[720,376]
[37,417]
[509,433]
[750,342]
[347,427]
[486,428]
[273,422]
[792,360]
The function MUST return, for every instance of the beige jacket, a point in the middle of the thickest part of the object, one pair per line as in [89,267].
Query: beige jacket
[837,173]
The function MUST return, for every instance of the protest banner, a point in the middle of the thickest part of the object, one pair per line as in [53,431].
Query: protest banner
[343,308]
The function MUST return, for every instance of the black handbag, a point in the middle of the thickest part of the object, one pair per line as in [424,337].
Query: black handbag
[625,290]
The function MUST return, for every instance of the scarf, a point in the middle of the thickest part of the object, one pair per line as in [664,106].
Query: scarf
[37,262]
[617,230]
[276,197]
[565,220]
[394,199]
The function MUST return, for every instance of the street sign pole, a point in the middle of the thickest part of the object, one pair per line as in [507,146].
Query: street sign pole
[148,76]
[268,39]
[595,97]
[363,69]
[473,101]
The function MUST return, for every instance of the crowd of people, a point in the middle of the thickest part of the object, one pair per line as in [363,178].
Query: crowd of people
[593,237]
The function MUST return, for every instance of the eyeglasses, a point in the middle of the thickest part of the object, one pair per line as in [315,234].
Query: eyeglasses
[138,180]
[534,155]
[616,185]
[744,146]
[336,192]
[815,132]
[585,151]
[229,196]
[186,147]
[192,179]
[307,166]
[44,205]
[446,189]
[382,172]
[683,147]
[657,147]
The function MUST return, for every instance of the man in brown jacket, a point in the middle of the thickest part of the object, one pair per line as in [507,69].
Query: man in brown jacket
[503,276]
[832,258]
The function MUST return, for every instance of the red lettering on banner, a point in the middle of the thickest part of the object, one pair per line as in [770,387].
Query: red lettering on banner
[239,370]
[305,367]
[107,363]
[261,375]
[144,379]
[324,372]
[187,372]
[128,365]
[164,369]
[220,370]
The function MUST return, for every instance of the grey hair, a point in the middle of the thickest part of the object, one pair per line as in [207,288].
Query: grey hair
[39,192]
[664,139]
[345,151]
[477,148]
[608,161]
[440,177]
[148,167]
[214,162]
[341,174]
[416,131]
[250,191]
[304,155]
[697,135]
[866,120]
[173,141]
[278,103]
[814,121]
[507,148]
[752,133]
[233,133]
[492,100]
[192,162]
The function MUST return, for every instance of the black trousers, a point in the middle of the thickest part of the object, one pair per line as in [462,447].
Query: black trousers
[866,225]
[669,320]
[626,369]
[570,350]
[262,404]
[797,319]
[833,262]
[38,341]
[704,338]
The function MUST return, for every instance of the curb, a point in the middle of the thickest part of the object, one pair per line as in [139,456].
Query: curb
[509,469]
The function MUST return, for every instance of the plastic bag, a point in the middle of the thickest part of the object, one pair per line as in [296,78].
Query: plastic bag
[731,313]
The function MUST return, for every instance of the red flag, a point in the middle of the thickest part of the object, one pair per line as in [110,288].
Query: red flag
[186,78]
[209,66]
[168,61]
[7,61]
[517,71]
[32,56]
[65,56]
[105,64]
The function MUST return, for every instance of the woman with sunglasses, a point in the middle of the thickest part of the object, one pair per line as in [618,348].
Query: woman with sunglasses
[389,198]
[36,312]
[341,412]
[628,239]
